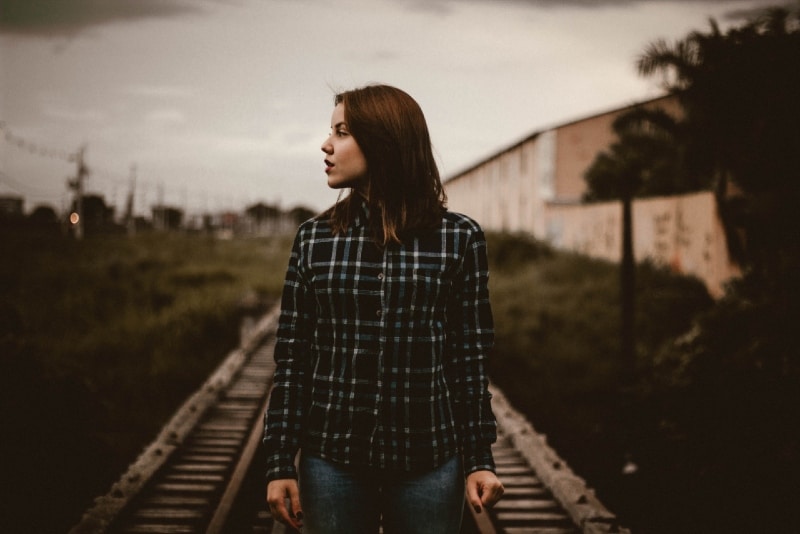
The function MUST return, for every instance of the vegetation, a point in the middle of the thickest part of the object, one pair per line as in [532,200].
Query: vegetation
[557,358]
[705,424]
[738,134]
[100,341]
[725,397]
[739,92]
[645,161]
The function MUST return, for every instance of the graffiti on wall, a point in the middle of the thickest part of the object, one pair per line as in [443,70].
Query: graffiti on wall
[679,232]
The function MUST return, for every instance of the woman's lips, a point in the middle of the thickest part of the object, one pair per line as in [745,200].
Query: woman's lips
[328,166]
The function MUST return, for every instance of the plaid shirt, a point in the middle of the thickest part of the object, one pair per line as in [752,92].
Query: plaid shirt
[381,352]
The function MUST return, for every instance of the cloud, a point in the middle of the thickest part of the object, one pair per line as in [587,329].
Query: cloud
[158,91]
[72,115]
[166,116]
[444,6]
[60,17]
[583,3]
[70,17]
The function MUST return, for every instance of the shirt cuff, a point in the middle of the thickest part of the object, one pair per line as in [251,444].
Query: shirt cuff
[480,461]
[280,467]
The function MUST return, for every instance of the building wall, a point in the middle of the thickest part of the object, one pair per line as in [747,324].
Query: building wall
[535,186]
[11,206]
[579,142]
[506,192]
[682,233]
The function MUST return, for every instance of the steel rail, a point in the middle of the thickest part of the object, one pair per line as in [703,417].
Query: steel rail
[178,481]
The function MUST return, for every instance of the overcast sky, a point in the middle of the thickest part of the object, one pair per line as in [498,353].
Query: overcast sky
[221,104]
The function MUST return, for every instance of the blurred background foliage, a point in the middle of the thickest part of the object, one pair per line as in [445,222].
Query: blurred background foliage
[100,342]
[701,436]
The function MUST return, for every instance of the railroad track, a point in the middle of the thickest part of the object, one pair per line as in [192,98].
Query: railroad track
[204,474]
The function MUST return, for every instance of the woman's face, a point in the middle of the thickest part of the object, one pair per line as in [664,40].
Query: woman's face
[345,164]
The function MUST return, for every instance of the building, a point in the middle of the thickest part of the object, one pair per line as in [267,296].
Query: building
[11,206]
[535,186]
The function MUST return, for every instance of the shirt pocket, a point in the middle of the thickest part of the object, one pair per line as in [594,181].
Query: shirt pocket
[429,289]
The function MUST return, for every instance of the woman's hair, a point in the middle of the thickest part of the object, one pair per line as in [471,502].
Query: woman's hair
[404,191]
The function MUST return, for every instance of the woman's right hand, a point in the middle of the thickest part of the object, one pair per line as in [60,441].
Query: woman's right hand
[278,492]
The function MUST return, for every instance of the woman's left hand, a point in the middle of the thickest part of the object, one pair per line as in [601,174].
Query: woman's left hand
[483,489]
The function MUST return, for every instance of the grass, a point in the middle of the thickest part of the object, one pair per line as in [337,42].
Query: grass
[101,340]
[557,358]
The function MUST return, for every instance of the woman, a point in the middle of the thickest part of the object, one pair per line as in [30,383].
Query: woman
[383,335]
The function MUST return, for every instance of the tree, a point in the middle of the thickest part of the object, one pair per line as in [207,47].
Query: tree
[646,160]
[44,215]
[97,216]
[300,214]
[739,135]
[44,219]
[740,91]
[729,392]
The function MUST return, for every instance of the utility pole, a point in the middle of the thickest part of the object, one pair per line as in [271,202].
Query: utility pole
[162,214]
[76,184]
[130,218]
[628,280]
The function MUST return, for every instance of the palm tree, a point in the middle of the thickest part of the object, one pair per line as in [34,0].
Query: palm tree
[731,388]
[646,159]
[740,91]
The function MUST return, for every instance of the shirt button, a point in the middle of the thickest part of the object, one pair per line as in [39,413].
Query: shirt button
[380,276]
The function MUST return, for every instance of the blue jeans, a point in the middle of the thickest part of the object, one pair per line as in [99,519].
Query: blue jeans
[338,499]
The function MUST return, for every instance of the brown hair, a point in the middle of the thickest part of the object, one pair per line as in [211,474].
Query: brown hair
[404,191]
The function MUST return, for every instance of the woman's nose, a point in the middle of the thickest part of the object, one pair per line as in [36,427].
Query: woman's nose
[326,146]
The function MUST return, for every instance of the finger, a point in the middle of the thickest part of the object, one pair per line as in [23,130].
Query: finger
[473,496]
[277,506]
[491,493]
[294,502]
[290,517]
[285,516]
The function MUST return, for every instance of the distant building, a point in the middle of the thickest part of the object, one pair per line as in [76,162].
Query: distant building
[167,218]
[11,206]
[264,220]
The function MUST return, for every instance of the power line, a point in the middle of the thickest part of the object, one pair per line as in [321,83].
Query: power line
[35,148]
[176,195]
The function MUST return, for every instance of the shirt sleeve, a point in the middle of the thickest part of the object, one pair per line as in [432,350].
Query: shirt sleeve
[283,418]
[470,340]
